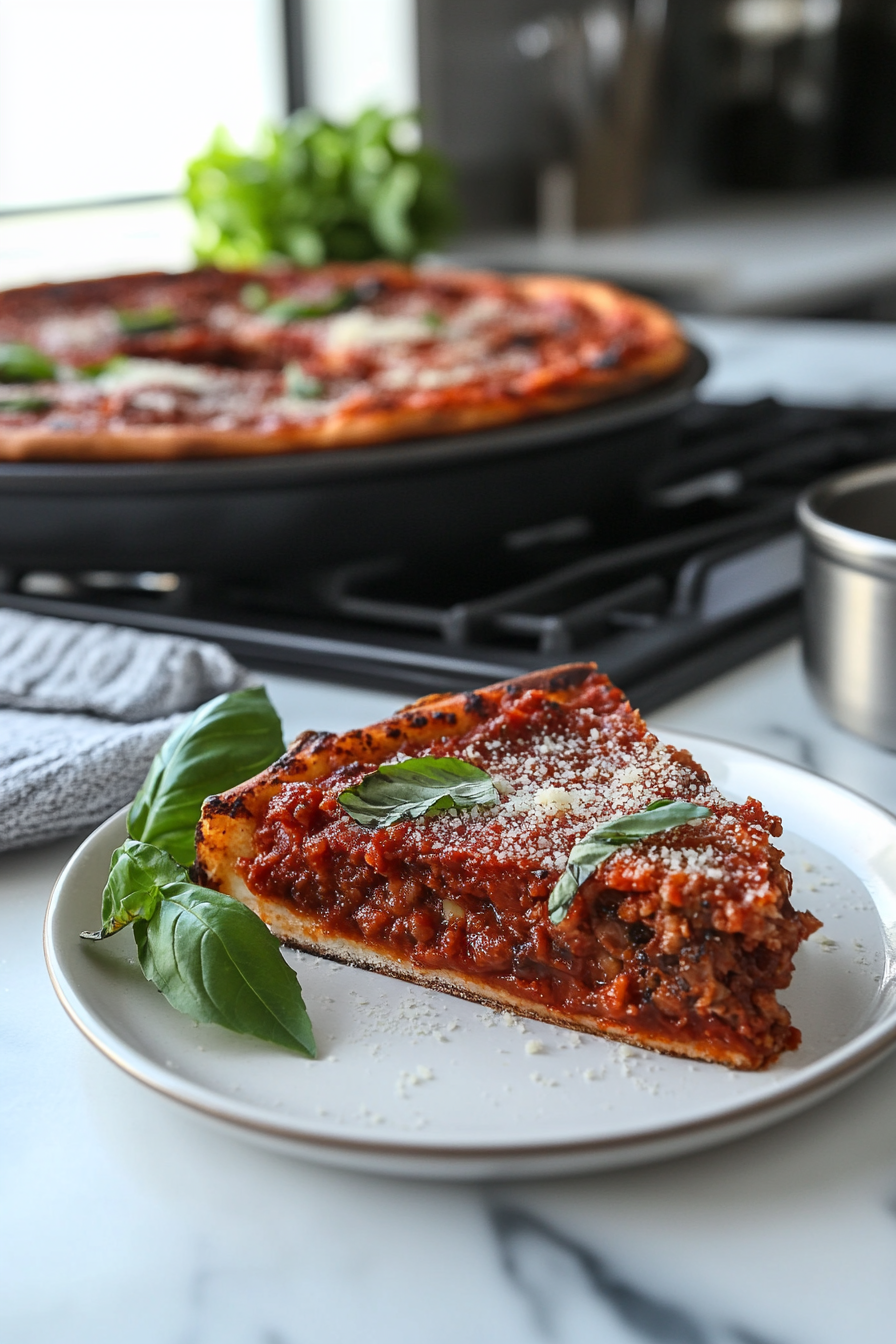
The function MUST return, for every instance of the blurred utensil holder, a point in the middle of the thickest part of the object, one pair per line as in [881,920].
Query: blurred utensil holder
[599,69]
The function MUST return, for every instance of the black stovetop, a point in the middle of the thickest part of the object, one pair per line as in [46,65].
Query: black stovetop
[703,573]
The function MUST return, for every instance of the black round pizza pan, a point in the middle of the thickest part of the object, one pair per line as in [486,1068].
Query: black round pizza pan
[256,514]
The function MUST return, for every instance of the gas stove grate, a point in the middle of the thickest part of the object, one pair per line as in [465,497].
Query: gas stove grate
[701,574]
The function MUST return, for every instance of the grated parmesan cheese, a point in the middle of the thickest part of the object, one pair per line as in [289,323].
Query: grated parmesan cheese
[361,328]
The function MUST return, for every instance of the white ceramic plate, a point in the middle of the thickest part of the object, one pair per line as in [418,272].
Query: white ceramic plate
[414,1082]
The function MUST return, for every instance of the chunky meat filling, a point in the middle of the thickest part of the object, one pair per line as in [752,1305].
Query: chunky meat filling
[691,931]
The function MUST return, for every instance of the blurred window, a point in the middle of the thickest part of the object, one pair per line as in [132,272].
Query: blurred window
[108,99]
[360,53]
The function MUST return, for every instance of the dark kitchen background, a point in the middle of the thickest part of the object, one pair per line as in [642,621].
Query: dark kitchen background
[655,106]
[730,157]
[683,142]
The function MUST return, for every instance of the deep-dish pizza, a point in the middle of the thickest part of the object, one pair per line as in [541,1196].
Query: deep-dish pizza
[676,936]
[211,363]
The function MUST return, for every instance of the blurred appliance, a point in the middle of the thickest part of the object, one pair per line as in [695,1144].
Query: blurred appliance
[575,112]
[774,90]
[698,573]
[597,113]
[867,63]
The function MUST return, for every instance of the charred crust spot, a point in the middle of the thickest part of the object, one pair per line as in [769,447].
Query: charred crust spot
[445,716]
[474,703]
[224,805]
[294,766]
[307,741]
[424,700]
[560,678]
[393,732]
[419,721]
[566,677]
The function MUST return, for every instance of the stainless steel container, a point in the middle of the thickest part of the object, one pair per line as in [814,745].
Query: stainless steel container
[849,525]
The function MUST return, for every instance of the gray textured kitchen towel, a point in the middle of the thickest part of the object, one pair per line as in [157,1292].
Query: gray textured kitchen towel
[83,709]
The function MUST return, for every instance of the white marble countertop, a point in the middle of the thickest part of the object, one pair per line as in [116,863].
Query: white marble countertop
[125,1218]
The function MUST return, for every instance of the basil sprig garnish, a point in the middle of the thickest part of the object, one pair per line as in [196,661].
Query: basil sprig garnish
[216,961]
[223,743]
[420,786]
[661,815]
[143,321]
[23,364]
[133,890]
[211,957]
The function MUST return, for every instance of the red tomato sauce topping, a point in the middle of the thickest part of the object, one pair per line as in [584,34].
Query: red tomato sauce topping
[691,930]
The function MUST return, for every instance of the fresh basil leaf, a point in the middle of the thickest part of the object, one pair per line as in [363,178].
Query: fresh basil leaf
[102,366]
[225,742]
[589,853]
[216,961]
[304,245]
[417,787]
[577,871]
[254,297]
[142,321]
[312,190]
[17,405]
[390,211]
[624,830]
[210,955]
[23,364]
[300,384]
[287,310]
[133,891]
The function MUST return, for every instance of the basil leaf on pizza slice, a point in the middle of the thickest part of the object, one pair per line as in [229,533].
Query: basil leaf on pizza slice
[586,856]
[420,786]
[21,363]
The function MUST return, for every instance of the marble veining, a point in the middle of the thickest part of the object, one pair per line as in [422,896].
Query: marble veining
[550,1269]
[542,1262]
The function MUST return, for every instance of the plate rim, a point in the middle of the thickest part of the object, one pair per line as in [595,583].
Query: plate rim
[821,1078]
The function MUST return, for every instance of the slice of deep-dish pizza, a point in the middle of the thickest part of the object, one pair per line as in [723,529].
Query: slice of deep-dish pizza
[677,941]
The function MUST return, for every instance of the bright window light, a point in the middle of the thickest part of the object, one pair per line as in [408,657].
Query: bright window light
[108,99]
[361,53]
